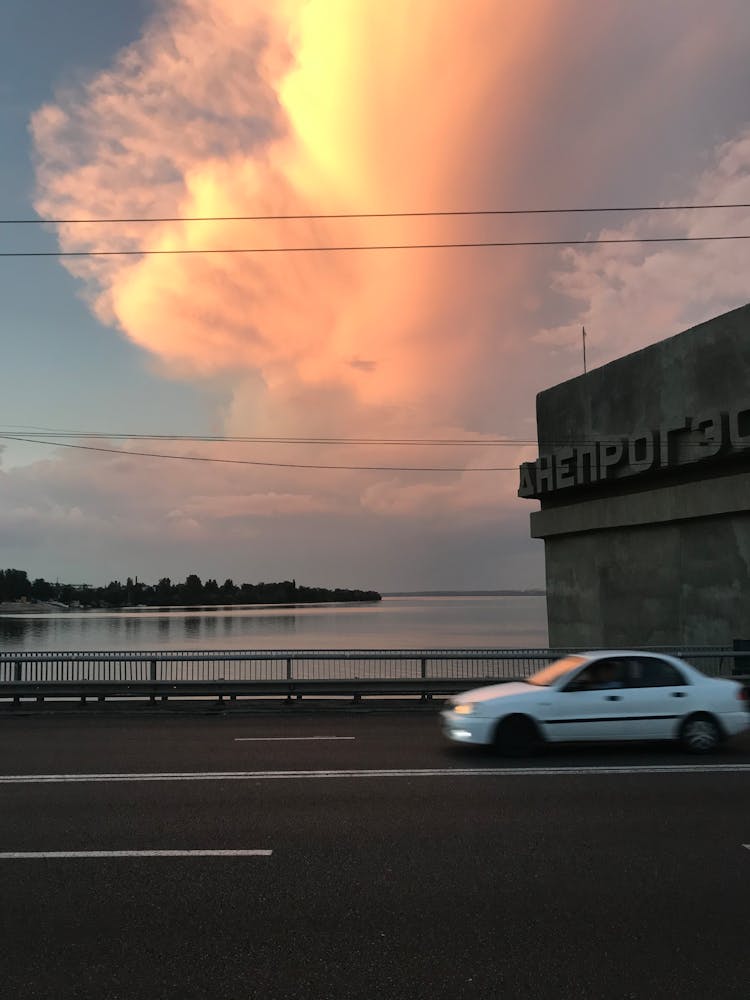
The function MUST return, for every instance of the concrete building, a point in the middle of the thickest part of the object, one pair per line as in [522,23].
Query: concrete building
[643,477]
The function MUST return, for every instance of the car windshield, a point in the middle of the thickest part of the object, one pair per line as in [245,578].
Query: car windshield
[547,676]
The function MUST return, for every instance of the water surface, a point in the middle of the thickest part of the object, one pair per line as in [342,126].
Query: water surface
[393,623]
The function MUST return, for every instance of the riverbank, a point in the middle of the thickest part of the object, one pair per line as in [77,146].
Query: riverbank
[29,608]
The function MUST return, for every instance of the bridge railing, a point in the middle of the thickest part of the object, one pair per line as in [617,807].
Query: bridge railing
[313,665]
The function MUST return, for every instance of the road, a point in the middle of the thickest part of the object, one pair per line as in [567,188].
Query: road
[390,865]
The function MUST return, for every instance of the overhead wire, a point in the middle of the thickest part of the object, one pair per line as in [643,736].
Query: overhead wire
[126,453]
[264,439]
[31,433]
[174,251]
[444,213]
[244,461]
[226,439]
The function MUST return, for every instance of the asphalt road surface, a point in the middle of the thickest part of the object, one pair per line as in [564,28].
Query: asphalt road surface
[363,858]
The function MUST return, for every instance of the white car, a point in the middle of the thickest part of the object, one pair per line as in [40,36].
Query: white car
[608,696]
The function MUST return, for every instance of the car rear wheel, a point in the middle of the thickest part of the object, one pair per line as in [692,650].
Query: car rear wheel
[517,736]
[700,734]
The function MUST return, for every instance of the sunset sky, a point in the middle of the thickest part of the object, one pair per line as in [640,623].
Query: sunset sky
[185,108]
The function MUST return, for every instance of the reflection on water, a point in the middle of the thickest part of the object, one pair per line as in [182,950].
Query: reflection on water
[192,627]
[282,624]
[13,630]
[393,623]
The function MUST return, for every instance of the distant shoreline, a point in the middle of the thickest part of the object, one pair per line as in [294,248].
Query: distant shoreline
[465,593]
[46,607]
[14,608]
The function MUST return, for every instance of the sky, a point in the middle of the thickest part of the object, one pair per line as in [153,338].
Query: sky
[188,109]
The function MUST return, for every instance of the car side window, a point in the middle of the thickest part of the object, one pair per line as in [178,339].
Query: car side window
[580,682]
[600,676]
[653,672]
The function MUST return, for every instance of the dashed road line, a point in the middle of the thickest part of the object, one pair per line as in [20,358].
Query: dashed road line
[86,855]
[288,739]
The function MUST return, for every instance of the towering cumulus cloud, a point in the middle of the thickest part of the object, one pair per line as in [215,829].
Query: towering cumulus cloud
[243,107]
[301,107]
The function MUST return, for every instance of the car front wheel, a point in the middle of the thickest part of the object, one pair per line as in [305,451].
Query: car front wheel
[517,736]
[700,734]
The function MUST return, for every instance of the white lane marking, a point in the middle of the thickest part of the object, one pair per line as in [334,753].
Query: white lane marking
[444,772]
[287,739]
[20,855]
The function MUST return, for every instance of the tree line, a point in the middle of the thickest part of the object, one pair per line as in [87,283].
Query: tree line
[15,586]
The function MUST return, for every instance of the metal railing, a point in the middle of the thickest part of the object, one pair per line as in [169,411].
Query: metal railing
[310,665]
[267,665]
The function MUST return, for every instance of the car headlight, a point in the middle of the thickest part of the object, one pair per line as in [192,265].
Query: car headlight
[463,709]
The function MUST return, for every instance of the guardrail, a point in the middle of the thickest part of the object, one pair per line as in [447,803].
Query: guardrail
[232,674]
[235,665]
[221,691]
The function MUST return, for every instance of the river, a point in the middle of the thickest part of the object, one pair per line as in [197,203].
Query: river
[394,623]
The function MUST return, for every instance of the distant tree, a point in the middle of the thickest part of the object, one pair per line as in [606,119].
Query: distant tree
[14,583]
[41,590]
[193,589]
[115,594]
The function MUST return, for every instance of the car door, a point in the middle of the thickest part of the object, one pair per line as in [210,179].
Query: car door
[657,696]
[585,708]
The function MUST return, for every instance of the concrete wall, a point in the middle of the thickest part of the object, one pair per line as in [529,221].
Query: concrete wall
[690,372]
[662,558]
[669,584]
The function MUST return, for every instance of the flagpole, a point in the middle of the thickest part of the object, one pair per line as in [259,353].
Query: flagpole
[583,329]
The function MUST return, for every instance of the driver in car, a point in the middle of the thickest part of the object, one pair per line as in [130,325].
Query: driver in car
[607,674]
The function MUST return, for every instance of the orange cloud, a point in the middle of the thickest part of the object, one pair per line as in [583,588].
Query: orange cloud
[229,108]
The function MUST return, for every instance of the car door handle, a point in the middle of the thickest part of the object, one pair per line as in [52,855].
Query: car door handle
[679,694]
[613,697]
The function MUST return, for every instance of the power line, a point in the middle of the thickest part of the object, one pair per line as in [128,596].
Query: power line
[382,246]
[221,438]
[456,213]
[32,437]
[244,461]
[32,432]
